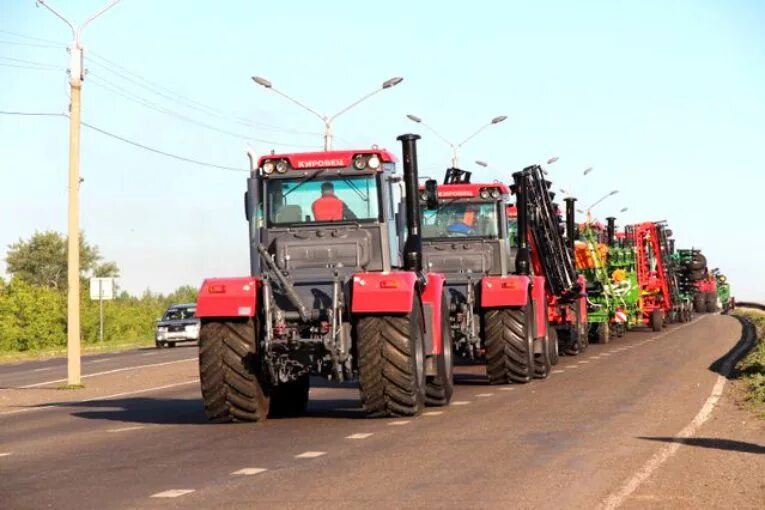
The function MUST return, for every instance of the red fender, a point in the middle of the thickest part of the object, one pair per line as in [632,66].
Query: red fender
[383,292]
[228,297]
[504,291]
[433,297]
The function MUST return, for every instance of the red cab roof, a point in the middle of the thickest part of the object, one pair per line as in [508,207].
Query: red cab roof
[327,159]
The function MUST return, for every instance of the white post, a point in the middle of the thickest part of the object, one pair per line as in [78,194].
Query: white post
[100,310]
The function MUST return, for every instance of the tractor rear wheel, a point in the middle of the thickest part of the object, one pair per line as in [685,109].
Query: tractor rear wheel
[552,344]
[542,360]
[391,357]
[509,344]
[230,373]
[439,388]
[657,320]
[604,333]
[291,398]
[699,303]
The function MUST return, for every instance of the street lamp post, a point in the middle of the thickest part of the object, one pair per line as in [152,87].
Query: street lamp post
[76,78]
[456,146]
[328,119]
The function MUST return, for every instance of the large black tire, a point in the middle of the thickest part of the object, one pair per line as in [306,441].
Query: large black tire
[439,388]
[711,302]
[603,331]
[391,355]
[697,274]
[552,344]
[290,399]
[657,320]
[159,344]
[699,303]
[230,373]
[509,345]
[542,360]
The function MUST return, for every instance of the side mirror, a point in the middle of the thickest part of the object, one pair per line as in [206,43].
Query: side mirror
[431,194]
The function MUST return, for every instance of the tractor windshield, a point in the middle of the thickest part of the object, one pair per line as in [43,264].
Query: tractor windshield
[322,198]
[460,218]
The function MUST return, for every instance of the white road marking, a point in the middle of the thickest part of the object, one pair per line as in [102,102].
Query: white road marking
[616,499]
[309,455]
[107,372]
[573,366]
[125,429]
[4,454]
[173,493]
[359,435]
[398,422]
[558,371]
[100,360]
[43,369]
[484,394]
[506,388]
[249,471]
[595,357]
[583,362]
[460,403]
[150,353]
[95,399]
[433,413]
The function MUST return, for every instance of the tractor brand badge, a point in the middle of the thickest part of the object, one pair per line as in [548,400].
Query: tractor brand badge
[317,163]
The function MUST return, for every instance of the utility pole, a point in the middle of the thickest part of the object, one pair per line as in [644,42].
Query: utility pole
[76,77]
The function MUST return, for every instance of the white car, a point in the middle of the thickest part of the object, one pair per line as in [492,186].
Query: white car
[179,324]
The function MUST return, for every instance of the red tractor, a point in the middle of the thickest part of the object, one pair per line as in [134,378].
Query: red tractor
[552,256]
[336,290]
[496,308]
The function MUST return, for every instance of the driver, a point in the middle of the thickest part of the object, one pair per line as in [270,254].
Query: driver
[466,224]
[330,208]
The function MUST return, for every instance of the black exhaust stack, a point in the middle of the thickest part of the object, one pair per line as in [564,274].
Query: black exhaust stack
[413,244]
[251,204]
[571,224]
[611,230]
[522,258]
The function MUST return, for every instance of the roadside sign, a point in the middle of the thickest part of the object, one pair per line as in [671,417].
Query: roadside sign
[101,289]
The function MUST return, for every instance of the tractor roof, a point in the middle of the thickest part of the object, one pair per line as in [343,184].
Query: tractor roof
[327,159]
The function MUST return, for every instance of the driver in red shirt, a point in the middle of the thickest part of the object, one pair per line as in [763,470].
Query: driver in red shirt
[330,208]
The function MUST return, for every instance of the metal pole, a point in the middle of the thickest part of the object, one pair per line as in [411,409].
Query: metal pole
[100,310]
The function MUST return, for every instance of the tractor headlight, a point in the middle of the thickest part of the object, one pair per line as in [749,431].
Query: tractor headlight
[281,166]
[495,193]
[268,167]
[359,162]
[484,193]
[373,162]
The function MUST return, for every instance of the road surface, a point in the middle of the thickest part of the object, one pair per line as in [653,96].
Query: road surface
[137,437]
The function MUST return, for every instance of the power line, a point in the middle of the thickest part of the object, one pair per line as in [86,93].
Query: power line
[116,89]
[35,68]
[128,141]
[31,38]
[32,62]
[163,153]
[160,90]
[32,45]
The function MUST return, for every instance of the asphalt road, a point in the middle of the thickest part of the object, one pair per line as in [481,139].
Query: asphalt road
[567,442]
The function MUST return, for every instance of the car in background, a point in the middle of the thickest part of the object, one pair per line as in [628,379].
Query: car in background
[178,324]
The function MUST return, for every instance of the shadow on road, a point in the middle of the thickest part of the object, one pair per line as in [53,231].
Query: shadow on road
[710,442]
[746,342]
[159,411]
[471,380]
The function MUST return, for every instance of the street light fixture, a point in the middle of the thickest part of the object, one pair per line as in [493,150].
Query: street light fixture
[456,147]
[624,209]
[328,119]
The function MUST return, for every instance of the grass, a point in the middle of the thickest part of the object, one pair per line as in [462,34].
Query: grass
[751,370]
[106,346]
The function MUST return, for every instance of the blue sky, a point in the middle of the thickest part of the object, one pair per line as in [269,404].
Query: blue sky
[665,100]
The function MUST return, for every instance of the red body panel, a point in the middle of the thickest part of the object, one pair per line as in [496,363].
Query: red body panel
[433,295]
[504,291]
[327,159]
[228,297]
[538,295]
[707,285]
[383,292]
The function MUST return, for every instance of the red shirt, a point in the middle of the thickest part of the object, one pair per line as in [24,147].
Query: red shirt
[328,208]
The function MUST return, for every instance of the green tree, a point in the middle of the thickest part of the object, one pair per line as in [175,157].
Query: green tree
[42,260]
